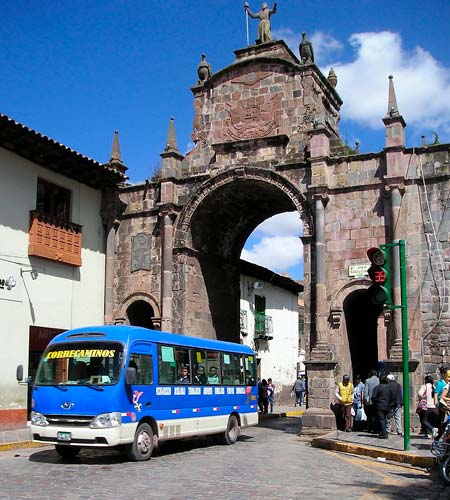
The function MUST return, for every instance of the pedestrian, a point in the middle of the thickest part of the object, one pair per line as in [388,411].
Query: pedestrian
[397,411]
[441,399]
[427,408]
[263,400]
[370,385]
[384,400]
[358,396]
[299,389]
[344,395]
[270,393]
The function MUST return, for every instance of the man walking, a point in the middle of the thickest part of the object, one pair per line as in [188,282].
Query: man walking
[299,389]
[370,385]
[344,395]
[397,411]
[384,399]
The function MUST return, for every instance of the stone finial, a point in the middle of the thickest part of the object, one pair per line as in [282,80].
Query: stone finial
[332,78]
[392,100]
[115,152]
[115,161]
[204,70]
[171,143]
[306,50]
[423,142]
[356,147]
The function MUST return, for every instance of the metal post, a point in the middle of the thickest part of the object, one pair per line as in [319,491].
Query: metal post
[405,348]
[246,23]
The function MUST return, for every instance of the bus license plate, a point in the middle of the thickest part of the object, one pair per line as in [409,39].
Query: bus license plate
[64,436]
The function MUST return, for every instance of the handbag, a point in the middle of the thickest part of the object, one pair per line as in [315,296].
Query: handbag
[422,405]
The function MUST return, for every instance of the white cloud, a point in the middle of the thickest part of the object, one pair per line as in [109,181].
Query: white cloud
[286,224]
[278,253]
[275,243]
[325,47]
[422,84]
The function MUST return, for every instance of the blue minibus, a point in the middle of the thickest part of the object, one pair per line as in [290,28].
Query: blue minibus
[130,387]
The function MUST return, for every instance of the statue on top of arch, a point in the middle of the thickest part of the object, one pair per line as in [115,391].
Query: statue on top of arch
[263,15]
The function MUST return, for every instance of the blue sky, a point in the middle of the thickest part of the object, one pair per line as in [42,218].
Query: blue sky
[78,70]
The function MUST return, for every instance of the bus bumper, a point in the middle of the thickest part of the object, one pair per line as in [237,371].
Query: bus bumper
[85,436]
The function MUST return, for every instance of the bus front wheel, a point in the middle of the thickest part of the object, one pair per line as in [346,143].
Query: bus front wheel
[67,451]
[232,431]
[142,447]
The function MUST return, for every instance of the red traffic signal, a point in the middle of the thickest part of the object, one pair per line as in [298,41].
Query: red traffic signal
[376,256]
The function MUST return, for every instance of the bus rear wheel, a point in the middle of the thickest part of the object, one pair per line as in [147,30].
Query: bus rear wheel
[67,451]
[142,447]
[232,431]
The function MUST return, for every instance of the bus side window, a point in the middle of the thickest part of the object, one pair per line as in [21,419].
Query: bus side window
[170,362]
[144,368]
[231,364]
[213,371]
[249,370]
[198,365]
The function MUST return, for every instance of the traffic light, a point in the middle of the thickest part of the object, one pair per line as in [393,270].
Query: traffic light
[379,272]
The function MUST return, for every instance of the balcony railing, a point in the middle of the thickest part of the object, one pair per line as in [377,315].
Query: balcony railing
[54,239]
[263,326]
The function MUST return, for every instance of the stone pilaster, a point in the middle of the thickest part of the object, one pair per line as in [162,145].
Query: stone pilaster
[167,271]
[394,191]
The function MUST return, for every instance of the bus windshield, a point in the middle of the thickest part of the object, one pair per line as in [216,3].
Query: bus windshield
[80,363]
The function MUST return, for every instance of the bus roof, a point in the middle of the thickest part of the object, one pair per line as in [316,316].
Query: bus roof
[129,334]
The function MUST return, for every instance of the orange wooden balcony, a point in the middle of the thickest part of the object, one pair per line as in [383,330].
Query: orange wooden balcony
[54,239]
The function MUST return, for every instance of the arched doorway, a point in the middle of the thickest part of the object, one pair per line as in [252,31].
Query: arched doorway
[361,317]
[140,313]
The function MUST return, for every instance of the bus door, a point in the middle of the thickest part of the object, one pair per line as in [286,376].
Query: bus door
[142,392]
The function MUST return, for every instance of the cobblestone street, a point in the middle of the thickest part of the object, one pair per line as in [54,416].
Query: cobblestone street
[269,461]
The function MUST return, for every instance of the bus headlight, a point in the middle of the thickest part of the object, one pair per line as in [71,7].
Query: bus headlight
[105,420]
[38,419]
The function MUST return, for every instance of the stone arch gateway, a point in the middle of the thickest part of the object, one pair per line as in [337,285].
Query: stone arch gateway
[266,140]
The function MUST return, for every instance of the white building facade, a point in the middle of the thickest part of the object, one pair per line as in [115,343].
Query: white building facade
[270,325]
[52,252]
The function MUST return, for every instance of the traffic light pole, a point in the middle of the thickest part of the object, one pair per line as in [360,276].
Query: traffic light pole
[405,347]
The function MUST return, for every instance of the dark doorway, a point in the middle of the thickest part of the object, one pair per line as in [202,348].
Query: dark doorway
[140,313]
[361,317]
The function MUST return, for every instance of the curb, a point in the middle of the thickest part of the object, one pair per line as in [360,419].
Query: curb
[283,414]
[374,452]
[20,444]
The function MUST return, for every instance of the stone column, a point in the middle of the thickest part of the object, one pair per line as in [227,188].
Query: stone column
[319,364]
[109,272]
[166,274]
[321,348]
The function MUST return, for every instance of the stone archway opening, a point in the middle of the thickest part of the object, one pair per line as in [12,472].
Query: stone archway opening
[361,317]
[140,313]
[227,213]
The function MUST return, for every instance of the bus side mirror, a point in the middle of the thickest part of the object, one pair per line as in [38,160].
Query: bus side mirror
[19,373]
[130,376]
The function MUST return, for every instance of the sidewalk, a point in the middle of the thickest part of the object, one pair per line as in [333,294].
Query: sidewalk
[363,443]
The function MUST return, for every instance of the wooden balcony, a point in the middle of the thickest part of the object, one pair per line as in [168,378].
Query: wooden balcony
[54,239]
